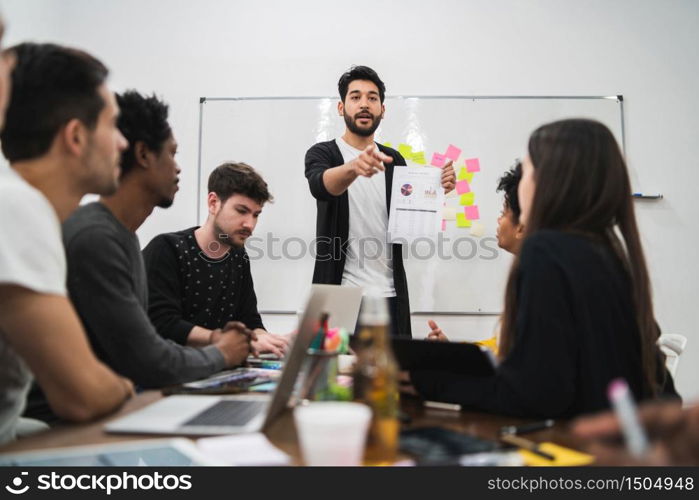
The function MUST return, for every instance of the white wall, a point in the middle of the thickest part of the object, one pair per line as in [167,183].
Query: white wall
[643,49]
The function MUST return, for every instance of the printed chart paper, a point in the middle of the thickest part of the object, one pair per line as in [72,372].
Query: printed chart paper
[416,204]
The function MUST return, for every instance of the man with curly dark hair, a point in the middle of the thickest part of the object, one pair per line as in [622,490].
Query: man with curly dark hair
[106,276]
[510,230]
[100,241]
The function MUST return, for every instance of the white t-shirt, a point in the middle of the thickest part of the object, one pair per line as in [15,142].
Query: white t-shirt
[31,256]
[367,264]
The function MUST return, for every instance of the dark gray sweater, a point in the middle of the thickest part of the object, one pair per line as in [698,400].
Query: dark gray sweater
[107,284]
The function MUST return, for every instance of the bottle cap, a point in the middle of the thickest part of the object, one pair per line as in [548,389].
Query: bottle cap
[374,311]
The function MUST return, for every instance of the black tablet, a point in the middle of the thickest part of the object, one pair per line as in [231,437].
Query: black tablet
[456,357]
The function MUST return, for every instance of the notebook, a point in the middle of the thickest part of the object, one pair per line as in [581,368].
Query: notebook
[176,452]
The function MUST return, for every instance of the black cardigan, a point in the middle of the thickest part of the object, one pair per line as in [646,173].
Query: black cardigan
[575,331]
[332,225]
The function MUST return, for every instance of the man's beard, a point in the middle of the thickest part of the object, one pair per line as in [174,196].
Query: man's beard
[351,123]
[223,238]
[166,203]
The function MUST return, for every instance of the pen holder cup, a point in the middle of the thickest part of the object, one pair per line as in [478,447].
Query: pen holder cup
[319,380]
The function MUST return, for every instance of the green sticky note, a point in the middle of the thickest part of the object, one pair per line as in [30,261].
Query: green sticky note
[462,221]
[467,199]
[405,150]
[465,175]
[419,158]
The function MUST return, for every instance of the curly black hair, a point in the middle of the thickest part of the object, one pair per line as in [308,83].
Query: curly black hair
[509,183]
[142,119]
[360,73]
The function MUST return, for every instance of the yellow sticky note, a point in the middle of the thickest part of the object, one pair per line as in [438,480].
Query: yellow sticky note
[462,221]
[405,150]
[478,230]
[449,213]
[564,457]
[467,199]
[389,145]
[464,175]
[419,158]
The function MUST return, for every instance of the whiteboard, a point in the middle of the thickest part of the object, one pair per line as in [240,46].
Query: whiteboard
[460,273]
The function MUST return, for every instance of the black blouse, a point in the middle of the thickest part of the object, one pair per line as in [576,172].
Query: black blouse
[575,332]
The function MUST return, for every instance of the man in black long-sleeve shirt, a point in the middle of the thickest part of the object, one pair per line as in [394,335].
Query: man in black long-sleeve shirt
[106,277]
[199,278]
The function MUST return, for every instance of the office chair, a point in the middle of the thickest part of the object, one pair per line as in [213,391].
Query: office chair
[672,345]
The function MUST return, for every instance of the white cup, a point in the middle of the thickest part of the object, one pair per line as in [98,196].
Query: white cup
[332,432]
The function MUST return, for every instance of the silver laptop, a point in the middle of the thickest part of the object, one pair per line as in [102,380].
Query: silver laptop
[206,415]
[342,304]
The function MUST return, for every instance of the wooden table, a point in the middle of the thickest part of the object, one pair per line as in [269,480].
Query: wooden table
[282,432]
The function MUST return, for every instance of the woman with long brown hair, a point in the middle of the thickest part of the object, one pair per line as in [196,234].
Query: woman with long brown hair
[578,308]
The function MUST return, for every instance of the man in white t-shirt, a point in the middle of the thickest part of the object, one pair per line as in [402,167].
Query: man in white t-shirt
[351,177]
[61,140]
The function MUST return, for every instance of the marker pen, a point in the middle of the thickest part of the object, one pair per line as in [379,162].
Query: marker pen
[625,409]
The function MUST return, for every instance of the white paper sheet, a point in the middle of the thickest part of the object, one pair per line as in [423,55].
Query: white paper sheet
[243,449]
[417,198]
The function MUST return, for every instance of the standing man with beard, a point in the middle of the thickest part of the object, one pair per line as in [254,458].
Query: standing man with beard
[351,179]
[199,278]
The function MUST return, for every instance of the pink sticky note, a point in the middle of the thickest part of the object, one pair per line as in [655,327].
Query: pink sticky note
[462,187]
[453,152]
[438,160]
[473,165]
[472,212]
[444,225]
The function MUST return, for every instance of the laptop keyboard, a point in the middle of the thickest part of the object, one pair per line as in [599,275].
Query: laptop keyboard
[228,413]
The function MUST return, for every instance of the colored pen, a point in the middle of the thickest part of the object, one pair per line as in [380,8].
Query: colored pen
[625,410]
[317,342]
[525,428]
[526,445]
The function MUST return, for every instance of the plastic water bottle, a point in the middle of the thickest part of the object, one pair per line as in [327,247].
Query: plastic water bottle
[376,381]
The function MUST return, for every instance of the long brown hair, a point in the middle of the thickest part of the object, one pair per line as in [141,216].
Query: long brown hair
[582,186]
